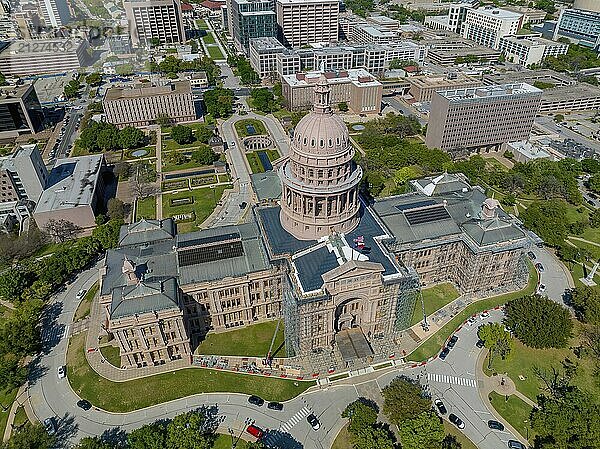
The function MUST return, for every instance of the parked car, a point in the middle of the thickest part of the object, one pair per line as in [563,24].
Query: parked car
[471,321]
[255,431]
[513,444]
[542,288]
[50,425]
[452,341]
[61,372]
[84,404]
[275,406]
[480,344]
[313,421]
[80,294]
[531,255]
[539,267]
[495,425]
[456,421]
[255,400]
[485,314]
[440,406]
[444,353]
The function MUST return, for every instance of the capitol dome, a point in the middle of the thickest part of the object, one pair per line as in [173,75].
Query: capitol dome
[320,179]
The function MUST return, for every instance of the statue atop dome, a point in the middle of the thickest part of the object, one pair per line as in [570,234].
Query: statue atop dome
[320,179]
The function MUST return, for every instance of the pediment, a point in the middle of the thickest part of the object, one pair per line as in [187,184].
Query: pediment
[352,269]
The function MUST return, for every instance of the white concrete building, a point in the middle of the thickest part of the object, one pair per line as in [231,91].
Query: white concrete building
[263,55]
[302,22]
[55,12]
[371,34]
[527,50]
[154,19]
[487,25]
[453,21]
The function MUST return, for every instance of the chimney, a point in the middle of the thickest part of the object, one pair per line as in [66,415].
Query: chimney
[488,208]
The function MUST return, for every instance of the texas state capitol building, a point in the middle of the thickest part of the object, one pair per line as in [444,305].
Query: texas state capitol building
[340,273]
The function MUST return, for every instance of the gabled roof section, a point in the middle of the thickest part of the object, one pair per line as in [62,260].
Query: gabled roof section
[144,297]
[441,184]
[492,231]
[147,231]
[352,265]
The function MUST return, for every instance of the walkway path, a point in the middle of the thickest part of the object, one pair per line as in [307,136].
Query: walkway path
[19,401]
[159,208]
[571,237]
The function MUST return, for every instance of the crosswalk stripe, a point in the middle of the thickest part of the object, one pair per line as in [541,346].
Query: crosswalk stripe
[443,378]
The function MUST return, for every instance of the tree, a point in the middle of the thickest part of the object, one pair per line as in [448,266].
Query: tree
[372,438]
[61,230]
[361,414]
[548,220]
[29,437]
[343,106]
[12,372]
[590,166]
[403,399]
[12,283]
[131,137]
[567,419]
[594,183]
[219,102]
[163,120]
[586,302]
[450,442]
[182,134]
[116,209]
[94,79]
[186,431]
[204,155]
[2,79]
[100,136]
[496,339]
[263,100]
[154,42]
[558,118]
[93,443]
[539,322]
[71,89]
[150,436]
[203,134]
[425,431]
[124,69]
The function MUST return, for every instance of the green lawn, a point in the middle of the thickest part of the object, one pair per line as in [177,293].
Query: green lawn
[256,165]
[250,341]
[434,299]
[112,355]
[168,167]
[214,52]
[434,343]
[148,391]
[20,417]
[224,442]
[7,397]
[146,208]
[205,200]
[461,437]
[342,440]
[515,411]
[240,127]
[83,309]
[201,24]
[273,155]
[169,144]
[209,38]
[593,250]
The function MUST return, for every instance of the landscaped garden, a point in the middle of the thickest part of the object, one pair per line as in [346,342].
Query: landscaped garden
[111,354]
[131,395]
[249,127]
[214,52]
[253,340]
[434,299]
[146,208]
[260,161]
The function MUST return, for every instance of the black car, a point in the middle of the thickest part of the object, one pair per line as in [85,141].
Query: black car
[50,425]
[84,404]
[495,425]
[480,343]
[255,400]
[513,444]
[440,406]
[275,406]
[456,421]
[452,342]
[531,255]
[444,353]
[540,267]
[313,421]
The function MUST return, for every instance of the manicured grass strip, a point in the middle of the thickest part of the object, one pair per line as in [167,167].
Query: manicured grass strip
[342,441]
[242,131]
[434,298]
[84,306]
[148,391]
[204,202]
[464,441]
[20,417]
[208,38]
[250,341]
[201,24]
[7,397]
[515,411]
[224,442]
[433,345]
[111,354]
[146,208]
[273,155]
[256,165]
[214,52]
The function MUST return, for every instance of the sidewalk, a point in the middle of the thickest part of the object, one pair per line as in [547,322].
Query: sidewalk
[18,402]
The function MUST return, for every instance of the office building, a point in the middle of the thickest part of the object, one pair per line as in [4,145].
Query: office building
[577,97]
[580,26]
[8,28]
[356,87]
[23,177]
[43,57]
[384,22]
[74,192]
[487,25]
[20,111]
[445,50]
[252,19]
[143,103]
[55,12]
[263,56]
[530,16]
[371,34]
[547,76]
[530,49]
[422,87]
[303,22]
[463,120]
[587,5]
[151,20]
[453,21]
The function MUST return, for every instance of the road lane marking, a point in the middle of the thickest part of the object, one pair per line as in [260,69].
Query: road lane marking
[445,379]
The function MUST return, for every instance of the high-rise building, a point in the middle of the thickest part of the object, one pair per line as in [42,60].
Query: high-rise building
[462,120]
[55,12]
[154,19]
[251,19]
[8,30]
[587,5]
[487,25]
[142,104]
[453,21]
[302,22]
[580,26]
[20,111]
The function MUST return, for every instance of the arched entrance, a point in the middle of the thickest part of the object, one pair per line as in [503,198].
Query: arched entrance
[348,314]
